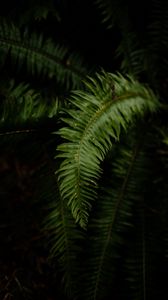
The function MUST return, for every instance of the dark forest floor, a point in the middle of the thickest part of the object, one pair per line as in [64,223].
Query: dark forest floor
[25,270]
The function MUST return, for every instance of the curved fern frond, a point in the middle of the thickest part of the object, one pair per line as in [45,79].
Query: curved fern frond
[41,56]
[95,124]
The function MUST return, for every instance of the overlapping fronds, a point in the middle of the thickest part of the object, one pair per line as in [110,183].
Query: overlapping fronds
[129,49]
[112,218]
[125,227]
[29,151]
[106,189]
[131,53]
[144,250]
[65,242]
[95,124]
[20,105]
[41,56]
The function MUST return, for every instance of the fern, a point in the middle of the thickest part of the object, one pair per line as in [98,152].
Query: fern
[129,50]
[22,105]
[157,41]
[145,249]
[111,218]
[113,11]
[106,189]
[41,56]
[132,54]
[93,127]
[162,188]
[65,242]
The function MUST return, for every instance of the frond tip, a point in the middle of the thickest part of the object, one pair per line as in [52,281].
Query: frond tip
[94,124]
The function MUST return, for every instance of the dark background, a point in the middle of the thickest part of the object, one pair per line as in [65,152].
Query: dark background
[25,270]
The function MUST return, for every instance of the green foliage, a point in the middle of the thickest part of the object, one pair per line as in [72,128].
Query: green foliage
[26,105]
[98,144]
[112,217]
[40,57]
[95,123]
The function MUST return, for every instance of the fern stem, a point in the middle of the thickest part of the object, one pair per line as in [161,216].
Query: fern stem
[17,132]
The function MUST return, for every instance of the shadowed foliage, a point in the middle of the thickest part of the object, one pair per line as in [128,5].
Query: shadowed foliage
[84,157]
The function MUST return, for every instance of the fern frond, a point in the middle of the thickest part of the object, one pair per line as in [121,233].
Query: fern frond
[111,220]
[112,11]
[65,243]
[35,165]
[94,125]
[41,56]
[131,53]
[157,41]
[22,105]
[144,253]
[129,50]
[163,192]
[158,27]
